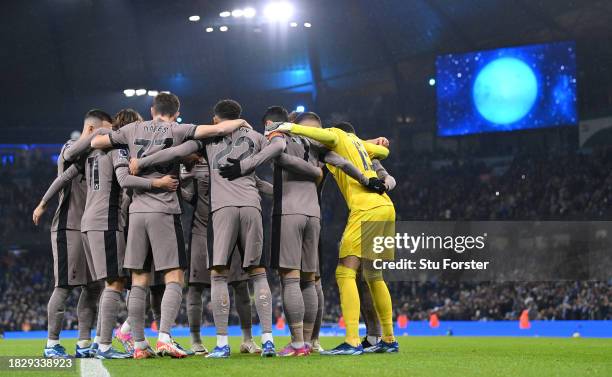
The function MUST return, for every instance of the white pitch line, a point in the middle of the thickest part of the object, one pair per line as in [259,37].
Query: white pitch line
[93,368]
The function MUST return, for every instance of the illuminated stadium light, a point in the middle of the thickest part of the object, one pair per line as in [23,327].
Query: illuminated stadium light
[278,11]
[249,12]
[307,24]
[179,119]
[129,92]
[300,109]
[194,18]
[225,14]
[293,24]
[141,92]
[432,81]
[209,29]
[165,91]
[152,93]
[223,28]
[237,13]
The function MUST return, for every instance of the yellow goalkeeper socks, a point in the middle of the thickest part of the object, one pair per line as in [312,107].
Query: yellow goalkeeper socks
[349,302]
[384,309]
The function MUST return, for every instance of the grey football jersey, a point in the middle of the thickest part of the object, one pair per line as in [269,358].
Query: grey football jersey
[146,138]
[104,195]
[199,222]
[241,192]
[296,194]
[72,197]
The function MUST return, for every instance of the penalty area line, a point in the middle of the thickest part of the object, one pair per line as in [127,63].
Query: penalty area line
[93,368]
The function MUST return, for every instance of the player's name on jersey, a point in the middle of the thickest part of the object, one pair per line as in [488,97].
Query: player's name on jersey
[425,264]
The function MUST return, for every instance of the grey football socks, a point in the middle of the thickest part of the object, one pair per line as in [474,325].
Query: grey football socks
[194,312]
[87,308]
[136,311]
[311,306]
[320,307]
[155,297]
[220,303]
[170,306]
[109,307]
[263,303]
[99,320]
[55,312]
[293,304]
[242,300]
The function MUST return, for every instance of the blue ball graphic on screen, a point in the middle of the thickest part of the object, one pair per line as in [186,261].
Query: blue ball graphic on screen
[505,90]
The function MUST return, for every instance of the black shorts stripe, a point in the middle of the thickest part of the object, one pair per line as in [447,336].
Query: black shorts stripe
[275,243]
[62,257]
[189,251]
[277,191]
[180,241]
[65,202]
[148,262]
[264,261]
[210,239]
[114,205]
[110,247]
[320,196]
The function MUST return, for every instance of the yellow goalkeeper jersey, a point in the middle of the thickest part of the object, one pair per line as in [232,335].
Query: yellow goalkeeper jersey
[359,153]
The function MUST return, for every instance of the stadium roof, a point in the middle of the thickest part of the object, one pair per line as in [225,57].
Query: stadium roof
[60,58]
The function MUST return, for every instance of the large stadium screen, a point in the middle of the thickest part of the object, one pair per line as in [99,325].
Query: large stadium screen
[507,89]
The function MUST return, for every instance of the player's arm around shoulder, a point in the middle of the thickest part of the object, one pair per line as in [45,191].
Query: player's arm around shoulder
[379,152]
[221,129]
[113,139]
[329,137]
[267,151]
[166,155]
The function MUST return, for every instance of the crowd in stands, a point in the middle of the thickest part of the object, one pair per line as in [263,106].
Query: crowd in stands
[570,186]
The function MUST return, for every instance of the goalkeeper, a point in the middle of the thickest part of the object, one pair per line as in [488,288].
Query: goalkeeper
[370,214]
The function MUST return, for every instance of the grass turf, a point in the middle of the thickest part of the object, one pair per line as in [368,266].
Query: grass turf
[419,356]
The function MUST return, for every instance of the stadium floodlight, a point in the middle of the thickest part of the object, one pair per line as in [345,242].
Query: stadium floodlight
[152,93]
[237,13]
[165,91]
[129,92]
[293,24]
[209,29]
[432,81]
[223,28]
[300,109]
[278,11]
[249,12]
[225,13]
[194,18]
[179,119]
[141,92]
[307,24]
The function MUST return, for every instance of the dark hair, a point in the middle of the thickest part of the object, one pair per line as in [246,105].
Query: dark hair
[292,116]
[166,104]
[275,114]
[345,126]
[227,109]
[125,116]
[308,115]
[99,114]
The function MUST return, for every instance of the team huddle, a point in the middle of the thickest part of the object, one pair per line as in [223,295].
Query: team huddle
[122,186]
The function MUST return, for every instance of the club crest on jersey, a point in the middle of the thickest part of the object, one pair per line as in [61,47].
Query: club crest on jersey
[123,153]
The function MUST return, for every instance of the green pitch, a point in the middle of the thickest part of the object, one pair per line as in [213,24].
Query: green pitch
[419,356]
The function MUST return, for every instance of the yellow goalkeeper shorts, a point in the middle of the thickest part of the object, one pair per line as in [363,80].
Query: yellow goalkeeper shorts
[365,226]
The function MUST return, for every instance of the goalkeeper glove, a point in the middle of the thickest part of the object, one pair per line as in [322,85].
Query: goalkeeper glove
[377,185]
[232,170]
